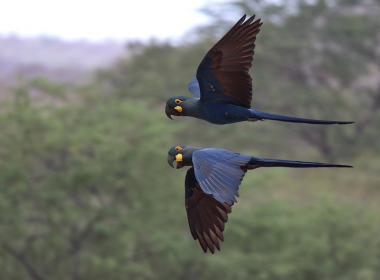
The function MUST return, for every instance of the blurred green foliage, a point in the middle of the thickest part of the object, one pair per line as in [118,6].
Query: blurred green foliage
[86,193]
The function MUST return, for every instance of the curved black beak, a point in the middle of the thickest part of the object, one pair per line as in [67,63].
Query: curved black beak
[170,160]
[168,112]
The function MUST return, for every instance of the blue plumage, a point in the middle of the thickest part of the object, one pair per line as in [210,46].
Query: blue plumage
[223,87]
[193,87]
[212,184]
[219,172]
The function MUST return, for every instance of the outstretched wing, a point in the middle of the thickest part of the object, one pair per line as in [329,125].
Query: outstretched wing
[206,215]
[223,73]
[219,172]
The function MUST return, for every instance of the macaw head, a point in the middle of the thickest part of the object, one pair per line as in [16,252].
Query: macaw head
[174,106]
[182,154]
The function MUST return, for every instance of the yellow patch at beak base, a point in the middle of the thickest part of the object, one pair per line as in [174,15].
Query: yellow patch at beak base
[178,108]
[178,157]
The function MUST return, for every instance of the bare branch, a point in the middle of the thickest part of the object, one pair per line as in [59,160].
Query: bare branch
[21,258]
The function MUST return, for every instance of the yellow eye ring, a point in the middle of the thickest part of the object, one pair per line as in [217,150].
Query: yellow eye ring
[177,101]
[178,148]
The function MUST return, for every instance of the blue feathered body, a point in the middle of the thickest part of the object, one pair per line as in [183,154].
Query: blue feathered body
[216,113]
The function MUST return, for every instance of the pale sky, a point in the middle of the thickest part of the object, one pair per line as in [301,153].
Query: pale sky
[101,19]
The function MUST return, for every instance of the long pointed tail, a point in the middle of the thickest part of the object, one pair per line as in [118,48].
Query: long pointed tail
[263,115]
[266,162]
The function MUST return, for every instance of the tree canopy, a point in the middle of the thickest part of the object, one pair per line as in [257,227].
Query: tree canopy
[86,193]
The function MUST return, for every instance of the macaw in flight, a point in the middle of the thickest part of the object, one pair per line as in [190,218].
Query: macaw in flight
[212,184]
[223,87]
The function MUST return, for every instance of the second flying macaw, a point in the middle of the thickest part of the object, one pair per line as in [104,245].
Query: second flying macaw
[223,87]
[212,184]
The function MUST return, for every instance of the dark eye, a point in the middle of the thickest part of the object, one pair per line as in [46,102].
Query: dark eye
[178,148]
[177,101]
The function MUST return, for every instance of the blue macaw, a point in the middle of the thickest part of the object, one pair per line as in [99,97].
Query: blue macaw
[212,184]
[223,86]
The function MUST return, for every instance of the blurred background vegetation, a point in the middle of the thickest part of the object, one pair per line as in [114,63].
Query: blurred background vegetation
[86,193]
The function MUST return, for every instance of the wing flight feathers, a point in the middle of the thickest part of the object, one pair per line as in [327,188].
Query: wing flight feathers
[223,73]
[206,215]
